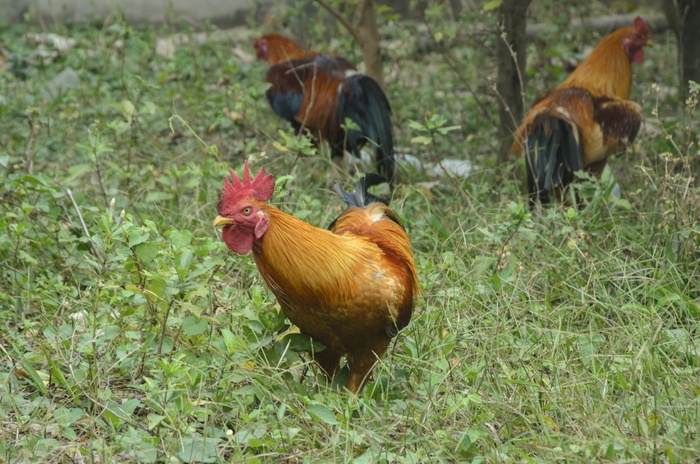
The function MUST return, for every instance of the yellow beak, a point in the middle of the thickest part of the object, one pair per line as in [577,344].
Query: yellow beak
[221,221]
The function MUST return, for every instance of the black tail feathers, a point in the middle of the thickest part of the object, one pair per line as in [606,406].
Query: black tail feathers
[554,153]
[361,197]
[365,103]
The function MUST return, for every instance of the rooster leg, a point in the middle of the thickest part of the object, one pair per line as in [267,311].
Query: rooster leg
[597,168]
[361,365]
[329,361]
[360,369]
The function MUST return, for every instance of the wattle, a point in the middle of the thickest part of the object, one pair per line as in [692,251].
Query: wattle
[238,240]
[638,55]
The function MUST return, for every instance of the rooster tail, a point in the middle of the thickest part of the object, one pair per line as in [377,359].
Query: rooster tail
[365,103]
[361,197]
[554,153]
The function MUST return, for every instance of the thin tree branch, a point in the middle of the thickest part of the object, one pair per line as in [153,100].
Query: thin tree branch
[69,194]
[448,60]
[343,20]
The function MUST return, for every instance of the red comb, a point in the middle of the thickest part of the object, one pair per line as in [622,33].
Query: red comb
[641,26]
[260,188]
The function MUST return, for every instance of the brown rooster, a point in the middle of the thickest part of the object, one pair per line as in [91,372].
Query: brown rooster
[350,287]
[587,118]
[319,92]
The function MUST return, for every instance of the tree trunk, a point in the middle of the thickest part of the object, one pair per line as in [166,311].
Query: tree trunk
[369,40]
[689,43]
[511,71]
[684,18]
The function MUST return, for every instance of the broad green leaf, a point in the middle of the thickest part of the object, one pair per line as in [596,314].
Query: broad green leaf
[125,108]
[146,252]
[38,180]
[194,326]
[229,340]
[422,139]
[491,5]
[137,236]
[302,343]
[623,203]
[198,449]
[65,417]
[153,420]
[446,129]
[114,414]
[281,147]
[180,238]
[415,125]
[322,414]
[184,261]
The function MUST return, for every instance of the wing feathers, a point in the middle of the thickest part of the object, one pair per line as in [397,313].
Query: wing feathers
[368,217]
[619,120]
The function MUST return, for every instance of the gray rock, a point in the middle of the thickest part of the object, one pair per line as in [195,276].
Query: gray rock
[455,167]
[65,80]
[410,160]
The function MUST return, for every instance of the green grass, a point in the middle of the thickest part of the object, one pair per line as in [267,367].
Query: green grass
[559,335]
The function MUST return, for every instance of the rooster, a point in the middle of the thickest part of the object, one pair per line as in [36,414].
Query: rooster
[320,92]
[350,287]
[587,118]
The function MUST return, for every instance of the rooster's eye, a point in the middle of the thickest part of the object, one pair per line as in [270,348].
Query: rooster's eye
[246,211]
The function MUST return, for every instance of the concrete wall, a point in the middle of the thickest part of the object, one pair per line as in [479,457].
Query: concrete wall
[223,13]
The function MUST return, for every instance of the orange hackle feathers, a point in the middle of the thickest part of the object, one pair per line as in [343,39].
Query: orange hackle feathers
[276,48]
[608,69]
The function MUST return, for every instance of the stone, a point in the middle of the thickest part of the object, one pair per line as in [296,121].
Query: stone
[65,80]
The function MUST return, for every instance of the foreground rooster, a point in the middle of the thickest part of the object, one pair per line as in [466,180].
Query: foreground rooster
[350,288]
[586,119]
[319,92]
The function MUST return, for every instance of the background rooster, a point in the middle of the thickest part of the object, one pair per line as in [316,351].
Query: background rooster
[586,118]
[319,92]
[350,287]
